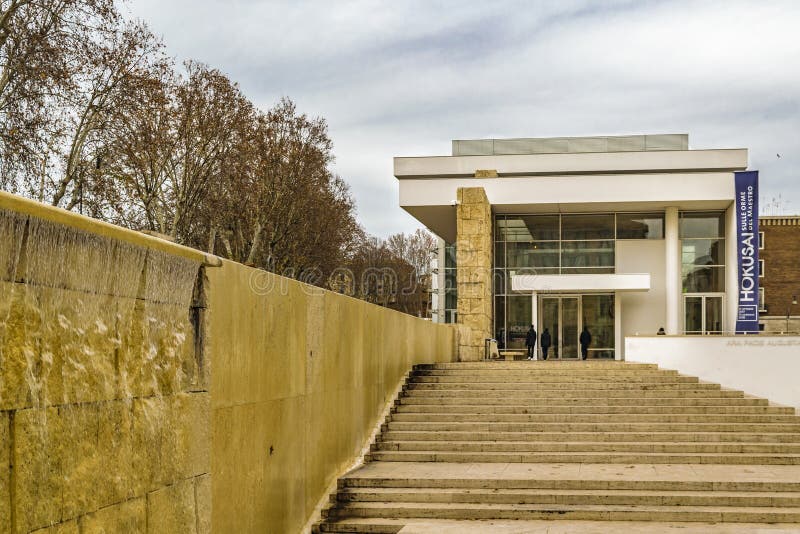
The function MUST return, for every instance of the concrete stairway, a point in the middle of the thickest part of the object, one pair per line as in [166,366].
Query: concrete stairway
[497,441]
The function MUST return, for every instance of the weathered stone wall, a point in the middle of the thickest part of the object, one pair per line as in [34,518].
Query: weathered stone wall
[104,403]
[300,378]
[107,340]
[474,270]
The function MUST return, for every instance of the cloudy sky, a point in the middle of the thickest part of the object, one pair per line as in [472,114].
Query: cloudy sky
[403,78]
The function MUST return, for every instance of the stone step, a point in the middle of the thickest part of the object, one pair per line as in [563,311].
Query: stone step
[551,393]
[596,437]
[585,410]
[565,386]
[591,418]
[594,441]
[585,457]
[564,400]
[569,497]
[674,447]
[644,484]
[598,427]
[358,526]
[477,376]
[711,514]
[549,364]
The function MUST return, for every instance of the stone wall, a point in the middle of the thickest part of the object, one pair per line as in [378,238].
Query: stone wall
[300,378]
[104,403]
[474,270]
[110,420]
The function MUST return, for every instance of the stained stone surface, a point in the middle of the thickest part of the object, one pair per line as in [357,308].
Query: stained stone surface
[101,391]
[129,517]
[202,489]
[171,509]
[5,474]
[474,270]
[67,527]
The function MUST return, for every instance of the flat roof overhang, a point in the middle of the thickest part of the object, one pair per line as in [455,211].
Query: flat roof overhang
[583,283]
[572,163]
[576,183]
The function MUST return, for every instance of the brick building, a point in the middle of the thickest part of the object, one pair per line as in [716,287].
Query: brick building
[779,255]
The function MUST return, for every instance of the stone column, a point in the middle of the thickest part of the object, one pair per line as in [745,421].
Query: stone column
[474,270]
[672,271]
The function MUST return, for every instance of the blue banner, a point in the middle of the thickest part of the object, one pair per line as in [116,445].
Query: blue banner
[746,206]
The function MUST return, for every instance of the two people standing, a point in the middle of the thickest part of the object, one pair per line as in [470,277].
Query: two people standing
[530,343]
[585,341]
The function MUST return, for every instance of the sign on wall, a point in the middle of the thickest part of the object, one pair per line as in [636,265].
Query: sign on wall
[747,250]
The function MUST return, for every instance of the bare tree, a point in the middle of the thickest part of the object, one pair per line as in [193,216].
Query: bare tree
[174,146]
[114,65]
[40,46]
[286,211]
[418,249]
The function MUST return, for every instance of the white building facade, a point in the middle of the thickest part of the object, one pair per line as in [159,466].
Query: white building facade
[621,235]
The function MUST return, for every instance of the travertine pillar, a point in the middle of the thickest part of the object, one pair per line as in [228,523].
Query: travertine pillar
[474,270]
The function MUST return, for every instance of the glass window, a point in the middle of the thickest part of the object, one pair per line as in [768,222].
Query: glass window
[450,256]
[713,324]
[450,299]
[760,240]
[512,229]
[702,224]
[542,227]
[500,282]
[500,321]
[533,254]
[588,254]
[499,255]
[598,317]
[762,306]
[693,315]
[761,268]
[519,320]
[640,226]
[703,251]
[450,281]
[703,279]
[586,270]
[589,226]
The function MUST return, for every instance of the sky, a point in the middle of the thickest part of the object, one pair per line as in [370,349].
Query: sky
[403,77]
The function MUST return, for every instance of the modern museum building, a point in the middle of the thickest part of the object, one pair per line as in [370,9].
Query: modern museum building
[622,236]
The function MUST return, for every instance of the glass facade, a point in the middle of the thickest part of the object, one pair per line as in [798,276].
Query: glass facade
[450,286]
[562,244]
[702,236]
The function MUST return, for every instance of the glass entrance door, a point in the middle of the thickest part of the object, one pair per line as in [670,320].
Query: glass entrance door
[561,317]
[702,314]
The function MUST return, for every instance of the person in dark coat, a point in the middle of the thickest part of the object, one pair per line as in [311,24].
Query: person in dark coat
[545,343]
[530,342]
[586,340]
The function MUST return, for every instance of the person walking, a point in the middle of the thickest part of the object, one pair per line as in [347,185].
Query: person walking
[545,343]
[530,342]
[586,340]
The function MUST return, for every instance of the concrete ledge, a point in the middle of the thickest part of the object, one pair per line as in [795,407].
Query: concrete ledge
[52,214]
